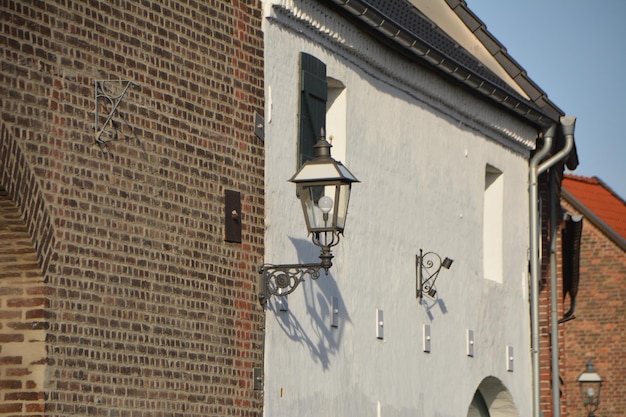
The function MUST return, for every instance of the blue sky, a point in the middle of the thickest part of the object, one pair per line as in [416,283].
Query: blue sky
[575,50]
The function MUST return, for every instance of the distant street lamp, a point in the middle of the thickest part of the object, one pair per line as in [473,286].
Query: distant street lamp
[590,383]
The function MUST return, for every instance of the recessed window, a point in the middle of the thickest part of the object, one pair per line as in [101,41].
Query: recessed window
[336,117]
[493,215]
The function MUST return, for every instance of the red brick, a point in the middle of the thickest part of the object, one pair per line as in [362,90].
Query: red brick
[10,384]
[26,302]
[11,338]
[23,396]
[10,360]
[6,408]
[35,408]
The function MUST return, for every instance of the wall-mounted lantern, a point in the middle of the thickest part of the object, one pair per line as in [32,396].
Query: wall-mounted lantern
[427,267]
[590,383]
[323,186]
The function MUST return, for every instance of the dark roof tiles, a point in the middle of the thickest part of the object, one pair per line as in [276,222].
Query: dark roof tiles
[411,19]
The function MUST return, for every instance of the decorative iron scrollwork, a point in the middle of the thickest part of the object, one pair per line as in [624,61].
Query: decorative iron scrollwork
[427,267]
[108,117]
[282,280]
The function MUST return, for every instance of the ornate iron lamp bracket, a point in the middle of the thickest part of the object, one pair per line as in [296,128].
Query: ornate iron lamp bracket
[427,268]
[282,280]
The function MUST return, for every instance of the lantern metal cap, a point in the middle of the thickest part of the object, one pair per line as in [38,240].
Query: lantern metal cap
[590,374]
[323,167]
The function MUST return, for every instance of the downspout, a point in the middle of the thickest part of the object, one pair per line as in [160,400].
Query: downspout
[534,262]
[567,125]
[537,167]
[554,319]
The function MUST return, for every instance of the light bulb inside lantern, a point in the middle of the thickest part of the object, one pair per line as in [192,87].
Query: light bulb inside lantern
[325,204]
[590,392]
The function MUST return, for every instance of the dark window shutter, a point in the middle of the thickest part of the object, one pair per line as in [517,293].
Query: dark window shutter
[313,92]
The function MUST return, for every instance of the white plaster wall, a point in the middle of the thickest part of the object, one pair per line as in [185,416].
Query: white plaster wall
[419,145]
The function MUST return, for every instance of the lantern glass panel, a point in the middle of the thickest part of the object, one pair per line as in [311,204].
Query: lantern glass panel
[332,216]
[590,392]
[341,205]
[317,219]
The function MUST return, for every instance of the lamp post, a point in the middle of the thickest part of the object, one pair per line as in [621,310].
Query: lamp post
[590,383]
[323,187]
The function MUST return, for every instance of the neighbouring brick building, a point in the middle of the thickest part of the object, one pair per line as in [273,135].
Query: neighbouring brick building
[127,146]
[591,293]
[599,330]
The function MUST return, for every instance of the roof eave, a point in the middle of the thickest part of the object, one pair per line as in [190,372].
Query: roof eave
[500,54]
[426,53]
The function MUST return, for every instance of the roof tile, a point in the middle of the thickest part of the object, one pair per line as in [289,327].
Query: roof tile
[596,196]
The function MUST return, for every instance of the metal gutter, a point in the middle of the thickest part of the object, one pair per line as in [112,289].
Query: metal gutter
[534,261]
[537,166]
[424,52]
[554,311]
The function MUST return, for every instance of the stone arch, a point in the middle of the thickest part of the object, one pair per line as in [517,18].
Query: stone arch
[497,398]
[23,355]
[22,186]
[26,246]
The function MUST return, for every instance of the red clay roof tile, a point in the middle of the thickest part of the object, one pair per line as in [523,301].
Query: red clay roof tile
[599,199]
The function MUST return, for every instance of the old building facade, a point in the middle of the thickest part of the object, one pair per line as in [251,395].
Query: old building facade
[590,296]
[132,201]
[441,140]
[137,203]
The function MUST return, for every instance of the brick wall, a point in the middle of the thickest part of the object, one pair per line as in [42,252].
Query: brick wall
[22,316]
[150,312]
[599,329]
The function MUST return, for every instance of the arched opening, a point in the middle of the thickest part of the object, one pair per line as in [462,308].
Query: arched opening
[478,407]
[492,399]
